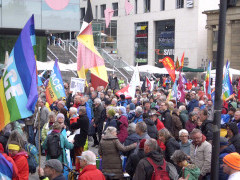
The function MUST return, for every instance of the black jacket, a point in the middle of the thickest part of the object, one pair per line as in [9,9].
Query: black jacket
[151,128]
[144,169]
[167,120]
[235,140]
[132,138]
[171,146]
[98,111]
[83,124]
[133,161]
[207,129]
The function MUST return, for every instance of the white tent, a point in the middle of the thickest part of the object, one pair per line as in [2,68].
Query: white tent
[154,70]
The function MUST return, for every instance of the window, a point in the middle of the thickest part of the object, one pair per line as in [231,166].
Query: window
[115,8]
[103,7]
[82,11]
[136,6]
[96,12]
[180,4]
[162,5]
[147,6]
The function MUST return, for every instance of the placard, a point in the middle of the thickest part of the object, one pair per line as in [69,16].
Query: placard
[77,85]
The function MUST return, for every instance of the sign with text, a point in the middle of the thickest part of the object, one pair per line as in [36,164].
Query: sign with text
[77,85]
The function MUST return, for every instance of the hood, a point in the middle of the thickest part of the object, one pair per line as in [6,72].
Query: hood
[23,153]
[109,137]
[149,122]
[193,170]
[156,156]
[231,148]
[186,144]
[133,137]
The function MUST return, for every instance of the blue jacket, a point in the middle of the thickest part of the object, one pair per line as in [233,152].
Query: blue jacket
[122,103]
[192,104]
[138,119]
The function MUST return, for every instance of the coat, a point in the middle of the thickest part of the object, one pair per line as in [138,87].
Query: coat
[235,140]
[185,147]
[171,146]
[159,124]
[83,124]
[90,172]
[192,104]
[177,125]
[123,133]
[22,165]
[192,170]
[151,128]
[132,138]
[98,114]
[167,120]
[184,117]
[64,145]
[190,126]
[43,116]
[207,129]
[109,149]
[201,157]
[144,169]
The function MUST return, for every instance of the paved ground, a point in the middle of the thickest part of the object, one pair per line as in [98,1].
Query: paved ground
[43,158]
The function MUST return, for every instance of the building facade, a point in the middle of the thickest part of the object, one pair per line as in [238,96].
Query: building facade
[232,37]
[158,28]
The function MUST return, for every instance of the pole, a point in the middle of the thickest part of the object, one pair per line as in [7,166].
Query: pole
[39,136]
[218,91]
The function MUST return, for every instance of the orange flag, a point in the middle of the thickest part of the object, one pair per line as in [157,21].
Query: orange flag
[182,61]
[169,65]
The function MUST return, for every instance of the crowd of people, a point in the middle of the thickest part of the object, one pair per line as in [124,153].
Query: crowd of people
[147,137]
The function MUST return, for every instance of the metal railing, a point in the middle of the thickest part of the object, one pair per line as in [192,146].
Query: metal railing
[51,54]
[61,44]
[72,47]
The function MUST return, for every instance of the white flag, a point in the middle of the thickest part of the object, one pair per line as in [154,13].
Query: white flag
[135,81]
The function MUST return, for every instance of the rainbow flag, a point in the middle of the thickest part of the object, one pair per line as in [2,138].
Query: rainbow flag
[18,86]
[88,58]
[55,88]
[173,92]
[207,81]
[6,168]
[227,83]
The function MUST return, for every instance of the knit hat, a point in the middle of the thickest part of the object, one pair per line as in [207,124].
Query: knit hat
[111,112]
[232,160]
[55,164]
[132,106]
[141,144]
[122,109]
[60,115]
[223,141]
[233,127]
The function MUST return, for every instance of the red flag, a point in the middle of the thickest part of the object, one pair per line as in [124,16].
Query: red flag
[128,7]
[108,16]
[169,65]
[182,61]
[181,93]
[149,85]
[125,92]
[239,89]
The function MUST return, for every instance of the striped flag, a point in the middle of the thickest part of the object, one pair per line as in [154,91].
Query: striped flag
[128,7]
[207,81]
[6,168]
[227,84]
[108,16]
[88,58]
[55,88]
[18,86]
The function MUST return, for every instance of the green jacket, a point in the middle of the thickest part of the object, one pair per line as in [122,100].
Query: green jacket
[64,145]
[191,169]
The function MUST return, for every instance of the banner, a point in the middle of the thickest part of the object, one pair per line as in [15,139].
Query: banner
[125,92]
[180,92]
[169,65]
[18,86]
[135,81]
[55,88]
[227,83]
[77,85]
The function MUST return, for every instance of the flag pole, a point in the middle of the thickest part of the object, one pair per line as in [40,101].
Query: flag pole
[39,137]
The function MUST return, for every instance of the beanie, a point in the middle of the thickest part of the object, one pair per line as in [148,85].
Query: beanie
[132,106]
[60,115]
[232,160]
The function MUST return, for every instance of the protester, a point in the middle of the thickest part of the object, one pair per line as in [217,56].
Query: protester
[177,124]
[166,116]
[138,115]
[109,148]
[47,128]
[184,141]
[231,166]
[233,135]
[193,103]
[151,127]
[88,163]
[122,134]
[111,120]
[191,123]
[207,126]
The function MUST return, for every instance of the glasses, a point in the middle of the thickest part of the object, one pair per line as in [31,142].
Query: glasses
[183,136]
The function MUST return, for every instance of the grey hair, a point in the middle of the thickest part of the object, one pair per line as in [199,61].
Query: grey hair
[178,156]
[165,133]
[82,109]
[52,114]
[195,131]
[131,128]
[139,110]
[89,157]
[182,108]
[183,131]
[110,130]
[114,99]
[97,101]
[73,109]
[142,126]
[151,143]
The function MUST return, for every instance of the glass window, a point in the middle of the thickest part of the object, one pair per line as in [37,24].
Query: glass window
[136,6]
[162,5]
[115,8]
[141,43]
[82,11]
[103,7]
[96,12]
[179,4]
[147,6]
[165,39]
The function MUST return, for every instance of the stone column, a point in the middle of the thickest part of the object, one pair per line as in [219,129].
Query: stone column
[151,43]
[228,41]
[209,42]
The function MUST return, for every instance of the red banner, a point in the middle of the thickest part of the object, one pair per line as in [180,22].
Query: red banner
[149,85]
[169,65]
[125,92]
[182,61]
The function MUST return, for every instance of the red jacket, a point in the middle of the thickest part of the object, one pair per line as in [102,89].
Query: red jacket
[90,172]
[22,164]
[123,133]
[159,125]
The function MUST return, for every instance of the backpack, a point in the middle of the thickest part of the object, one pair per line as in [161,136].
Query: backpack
[54,149]
[33,160]
[159,172]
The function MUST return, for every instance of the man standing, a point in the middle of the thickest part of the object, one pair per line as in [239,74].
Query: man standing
[207,126]
[200,153]
[166,116]
[98,120]
[193,103]
[231,166]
